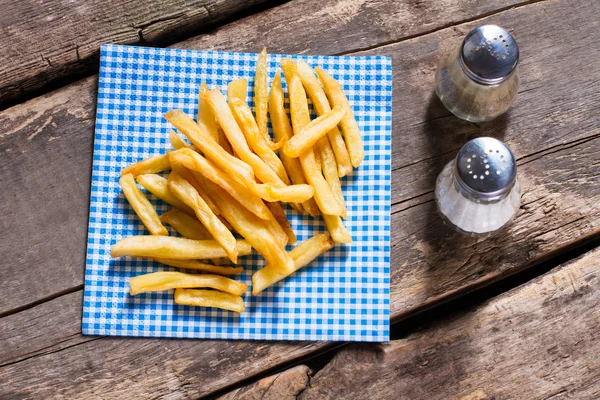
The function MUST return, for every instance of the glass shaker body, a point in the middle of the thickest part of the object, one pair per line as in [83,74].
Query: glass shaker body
[471,216]
[475,82]
[478,192]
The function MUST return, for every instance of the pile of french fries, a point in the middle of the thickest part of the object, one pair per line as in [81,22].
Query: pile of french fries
[233,178]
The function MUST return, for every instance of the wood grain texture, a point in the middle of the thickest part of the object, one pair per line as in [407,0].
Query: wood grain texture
[558,169]
[286,385]
[538,341]
[42,42]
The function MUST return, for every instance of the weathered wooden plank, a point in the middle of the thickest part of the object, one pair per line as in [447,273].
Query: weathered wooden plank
[436,271]
[286,385]
[40,43]
[538,341]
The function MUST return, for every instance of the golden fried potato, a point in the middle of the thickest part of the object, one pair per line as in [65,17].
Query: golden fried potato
[174,247]
[205,118]
[189,227]
[350,129]
[188,195]
[321,105]
[311,133]
[159,281]
[261,95]
[283,222]
[336,228]
[142,207]
[209,298]
[200,266]
[150,165]
[159,186]
[302,255]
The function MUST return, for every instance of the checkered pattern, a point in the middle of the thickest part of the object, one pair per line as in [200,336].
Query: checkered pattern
[343,295]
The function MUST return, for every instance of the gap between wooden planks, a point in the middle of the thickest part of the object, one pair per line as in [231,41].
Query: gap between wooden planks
[536,341]
[45,43]
[574,219]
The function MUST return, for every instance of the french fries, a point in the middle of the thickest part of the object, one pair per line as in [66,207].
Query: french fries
[199,266]
[254,230]
[282,220]
[159,281]
[188,195]
[302,255]
[150,165]
[282,130]
[238,141]
[350,129]
[212,150]
[174,247]
[141,206]
[321,104]
[231,178]
[237,90]
[336,228]
[187,226]
[209,298]
[194,161]
[205,119]
[330,171]
[311,133]
[261,93]
[176,141]
[258,143]
[159,186]
[300,118]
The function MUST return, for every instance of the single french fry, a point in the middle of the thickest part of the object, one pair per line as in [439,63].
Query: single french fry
[292,193]
[188,195]
[142,207]
[212,150]
[150,165]
[336,228]
[159,281]
[194,161]
[174,247]
[253,229]
[350,129]
[276,230]
[199,266]
[209,298]
[205,119]
[257,142]
[330,171]
[300,118]
[321,104]
[282,220]
[188,227]
[302,255]
[282,130]
[311,133]
[237,90]
[176,141]
[159,186]
[261,94]
[236,137]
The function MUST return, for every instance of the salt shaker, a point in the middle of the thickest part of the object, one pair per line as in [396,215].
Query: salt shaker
[478,192]
[478,80]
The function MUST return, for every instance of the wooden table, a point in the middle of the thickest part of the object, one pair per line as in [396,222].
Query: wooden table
[515,316]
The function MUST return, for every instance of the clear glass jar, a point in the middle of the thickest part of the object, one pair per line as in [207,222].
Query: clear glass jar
[478,80]
[487,196]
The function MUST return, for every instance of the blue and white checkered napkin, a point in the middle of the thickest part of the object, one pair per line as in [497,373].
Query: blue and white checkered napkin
[343,295]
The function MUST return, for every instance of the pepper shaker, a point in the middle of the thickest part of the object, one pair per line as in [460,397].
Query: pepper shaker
[478,81]
[478,192]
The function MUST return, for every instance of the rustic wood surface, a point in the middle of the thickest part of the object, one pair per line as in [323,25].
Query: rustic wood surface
[45,146]
[538,341]
[41,43]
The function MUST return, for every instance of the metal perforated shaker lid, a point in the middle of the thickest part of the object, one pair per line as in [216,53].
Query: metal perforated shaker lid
[485,169]
[489,54]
